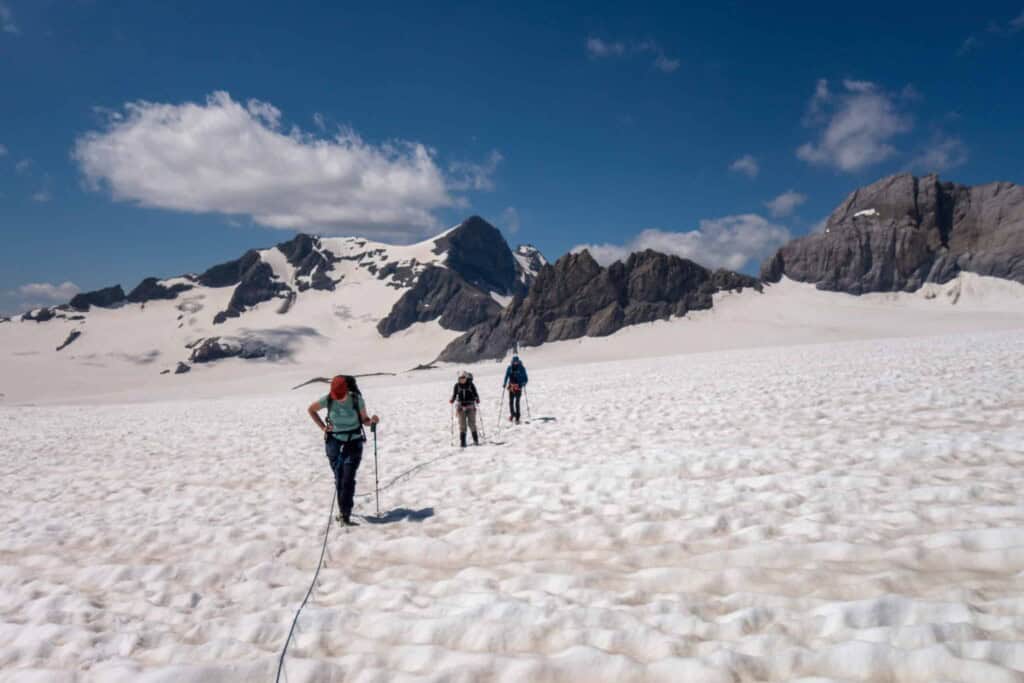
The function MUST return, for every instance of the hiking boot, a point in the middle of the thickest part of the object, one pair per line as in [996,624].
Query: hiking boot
[462,439]
[476,439]
[517,420]
[347,521]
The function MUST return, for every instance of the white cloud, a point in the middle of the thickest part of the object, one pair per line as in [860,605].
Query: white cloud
[3,151]
[42,196]
[465,175]
[320,121]
[601,49]
[730,242]
[941,154]
[223,156]
[23,166]
[597,48]
[7,24]
[663,63]
[858,125]
[510,220]
[746,165]
[970,44]
[785,203]
[44,291]
[37,295]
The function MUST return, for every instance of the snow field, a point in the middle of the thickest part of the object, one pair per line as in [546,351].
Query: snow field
[845,512]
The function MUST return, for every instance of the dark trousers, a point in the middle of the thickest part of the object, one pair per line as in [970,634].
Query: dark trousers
[344,457]
[513,402]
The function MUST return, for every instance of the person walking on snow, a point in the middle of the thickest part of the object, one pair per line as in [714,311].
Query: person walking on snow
[466,400]
[343,437]
[515,380]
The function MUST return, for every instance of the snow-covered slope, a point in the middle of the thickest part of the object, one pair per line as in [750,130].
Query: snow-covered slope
[842,512]
[306,303]
[332,332]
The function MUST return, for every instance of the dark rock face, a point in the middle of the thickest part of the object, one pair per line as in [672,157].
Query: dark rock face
[577,297]
[904,231]
[478,252]
[216,348]
[310,261]
[150,289]
[104,298]
[231,272]
[75,334]
[256,285]
[440,293]
[182,368]
[40,316]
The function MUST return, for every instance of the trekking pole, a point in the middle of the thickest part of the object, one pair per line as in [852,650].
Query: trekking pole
[483,432]
[451,440]
[501,401]
[527,397]
[376,476]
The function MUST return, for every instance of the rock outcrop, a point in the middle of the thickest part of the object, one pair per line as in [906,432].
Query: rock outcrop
[440,293]
[107,297]
[903,231]
[576,297]
[72,336]
[151,289]
[311,262]
[478,262]
[217,348]
[478,252]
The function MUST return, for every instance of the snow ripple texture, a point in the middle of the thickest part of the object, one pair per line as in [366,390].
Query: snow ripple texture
[849,512]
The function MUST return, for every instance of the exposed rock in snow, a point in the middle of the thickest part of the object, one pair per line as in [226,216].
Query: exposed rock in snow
[440,293]
[577,297]
[152,289]
[72,336]
[924,230]
[104,298]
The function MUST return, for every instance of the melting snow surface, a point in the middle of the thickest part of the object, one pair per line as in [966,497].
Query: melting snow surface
[866,212]
[840,512]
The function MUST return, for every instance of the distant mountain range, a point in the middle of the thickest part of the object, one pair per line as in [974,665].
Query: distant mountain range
[896,234]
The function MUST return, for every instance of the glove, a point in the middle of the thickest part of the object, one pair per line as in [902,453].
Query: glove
[451,400]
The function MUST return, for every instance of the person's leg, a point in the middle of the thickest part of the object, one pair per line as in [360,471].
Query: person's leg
[333,448]
[511,405]
[462,425]
[351,456]
[519,396]
[471,417]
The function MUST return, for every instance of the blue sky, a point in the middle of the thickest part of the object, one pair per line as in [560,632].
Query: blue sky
[144,139]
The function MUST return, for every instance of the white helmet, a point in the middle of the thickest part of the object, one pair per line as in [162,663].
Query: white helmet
[463,374]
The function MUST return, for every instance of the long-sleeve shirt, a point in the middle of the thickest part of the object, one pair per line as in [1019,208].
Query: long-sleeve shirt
[516,374]
[465,394]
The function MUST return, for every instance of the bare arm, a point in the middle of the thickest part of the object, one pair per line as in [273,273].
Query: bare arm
[363,417]
[314,412]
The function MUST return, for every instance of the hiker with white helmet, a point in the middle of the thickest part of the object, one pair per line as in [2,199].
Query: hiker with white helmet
[466,399]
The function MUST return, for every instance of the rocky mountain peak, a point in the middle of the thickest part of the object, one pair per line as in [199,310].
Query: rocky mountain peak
[479,253]
[904,231]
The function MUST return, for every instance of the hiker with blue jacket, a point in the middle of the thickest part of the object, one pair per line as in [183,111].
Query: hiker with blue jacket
[515,381]
[343,437]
